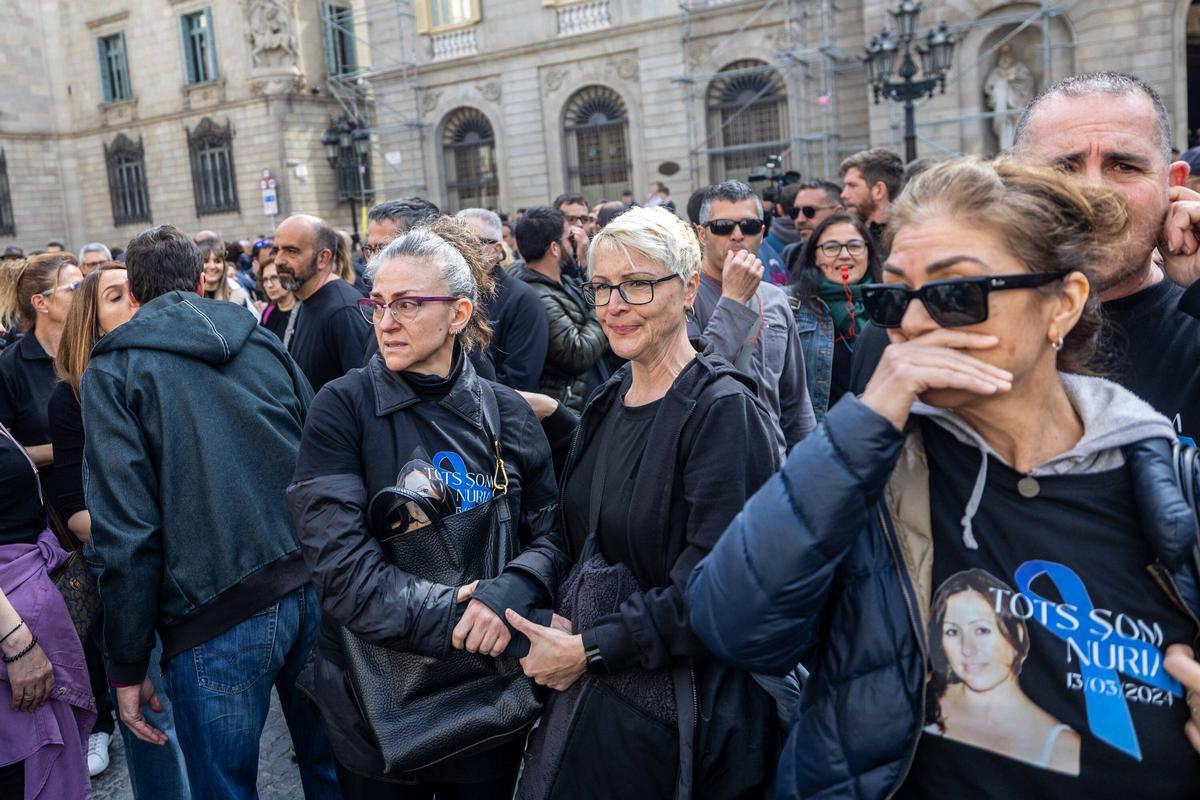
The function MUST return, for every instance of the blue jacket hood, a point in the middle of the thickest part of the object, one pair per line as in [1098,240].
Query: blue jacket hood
[213,331]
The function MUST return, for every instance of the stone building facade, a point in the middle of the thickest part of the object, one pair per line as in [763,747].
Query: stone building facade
[119,114]
[507,103]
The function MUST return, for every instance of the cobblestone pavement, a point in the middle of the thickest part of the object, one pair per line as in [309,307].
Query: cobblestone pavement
[278,776]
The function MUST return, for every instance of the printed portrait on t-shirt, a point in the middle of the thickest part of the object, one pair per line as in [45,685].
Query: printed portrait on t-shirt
[978,647]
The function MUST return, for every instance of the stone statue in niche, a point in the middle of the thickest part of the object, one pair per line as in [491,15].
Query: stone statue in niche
[1008,88]
[272,35]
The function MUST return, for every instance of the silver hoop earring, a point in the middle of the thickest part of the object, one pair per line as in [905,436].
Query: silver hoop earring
[689,314]
[1057,345]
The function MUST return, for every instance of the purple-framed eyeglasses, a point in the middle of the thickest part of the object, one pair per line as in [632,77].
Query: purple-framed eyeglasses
[402,309]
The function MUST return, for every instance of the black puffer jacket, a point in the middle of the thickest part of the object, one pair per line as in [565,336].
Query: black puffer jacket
[362,430]
[576,339]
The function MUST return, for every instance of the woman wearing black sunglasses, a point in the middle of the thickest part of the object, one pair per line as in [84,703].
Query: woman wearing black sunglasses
[994,538]
[836,261]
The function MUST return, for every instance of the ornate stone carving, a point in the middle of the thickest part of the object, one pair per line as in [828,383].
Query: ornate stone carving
[785,39]
[272,35]
[697,52]
[626,67]
[554,79]
[429,101]
[490,90]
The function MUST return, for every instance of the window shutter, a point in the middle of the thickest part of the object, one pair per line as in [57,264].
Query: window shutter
[123,89]
[210,34]
[189,55]
[327,26]
[106,87]
[346,19]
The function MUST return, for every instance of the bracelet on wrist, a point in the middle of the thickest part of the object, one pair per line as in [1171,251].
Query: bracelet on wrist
[25,651]
[14,630]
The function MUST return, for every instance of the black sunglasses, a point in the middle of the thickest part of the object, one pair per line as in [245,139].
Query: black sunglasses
[809,212]
[951,303]
[724,227]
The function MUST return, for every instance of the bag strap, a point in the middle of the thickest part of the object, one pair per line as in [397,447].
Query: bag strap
[56,524]
[491,426]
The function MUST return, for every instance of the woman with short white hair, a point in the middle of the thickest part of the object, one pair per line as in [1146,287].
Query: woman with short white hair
[665,454]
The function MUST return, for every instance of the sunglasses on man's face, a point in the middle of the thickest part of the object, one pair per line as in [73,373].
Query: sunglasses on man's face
[951,303]
[808,212]
[724,227]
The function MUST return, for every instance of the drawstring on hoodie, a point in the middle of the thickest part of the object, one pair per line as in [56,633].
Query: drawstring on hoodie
[968,533]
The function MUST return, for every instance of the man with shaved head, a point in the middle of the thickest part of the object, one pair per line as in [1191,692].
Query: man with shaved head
[326,333]
[1112,129]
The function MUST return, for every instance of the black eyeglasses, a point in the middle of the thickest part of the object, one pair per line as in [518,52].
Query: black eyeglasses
[637,292]
[951,303]
[854,247]
[809,212]
[724,227]
[370,250]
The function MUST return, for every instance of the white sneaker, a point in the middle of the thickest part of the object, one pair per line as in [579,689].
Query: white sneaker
[98,753]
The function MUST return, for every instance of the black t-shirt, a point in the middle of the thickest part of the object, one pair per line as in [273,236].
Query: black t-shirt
[615,450]
[330,333]
[276,322]
[1154,351]
[839,375]
[66,432]
[21,516]
[1047,643]
[26,378]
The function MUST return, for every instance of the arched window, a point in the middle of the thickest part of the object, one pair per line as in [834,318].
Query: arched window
[210,147]
[127,180]
[596,130]
[469,153]
[747,119]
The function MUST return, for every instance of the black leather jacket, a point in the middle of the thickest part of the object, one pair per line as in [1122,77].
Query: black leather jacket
[576,340]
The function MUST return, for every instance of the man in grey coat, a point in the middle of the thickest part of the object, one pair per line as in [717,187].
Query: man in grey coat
[747,321]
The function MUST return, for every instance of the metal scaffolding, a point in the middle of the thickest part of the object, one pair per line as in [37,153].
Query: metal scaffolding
[810,144]
[355,91]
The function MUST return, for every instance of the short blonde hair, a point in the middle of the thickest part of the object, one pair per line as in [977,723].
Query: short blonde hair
[654,232]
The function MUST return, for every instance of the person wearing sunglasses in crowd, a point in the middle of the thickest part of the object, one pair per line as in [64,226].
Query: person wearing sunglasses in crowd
[782,231]
[35,300]
[836,261]
[815,201]
[980,445]
[666,453]
[418,403]
[745,319]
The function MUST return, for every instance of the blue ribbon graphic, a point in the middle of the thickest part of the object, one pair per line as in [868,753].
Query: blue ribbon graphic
[1108,714]
[469,495]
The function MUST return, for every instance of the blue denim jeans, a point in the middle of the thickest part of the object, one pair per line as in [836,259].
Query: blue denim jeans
[221,692]
[155,773]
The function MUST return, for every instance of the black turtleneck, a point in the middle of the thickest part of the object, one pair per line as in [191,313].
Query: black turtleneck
[435,387]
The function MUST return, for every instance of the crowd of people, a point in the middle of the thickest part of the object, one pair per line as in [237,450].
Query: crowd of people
[603,502]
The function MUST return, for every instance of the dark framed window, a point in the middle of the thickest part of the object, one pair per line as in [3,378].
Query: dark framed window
[469,156]
[8,224]
[747,119]
[199,48]
[210,147]
[338,24]
[596,133]
[114,68]
[127,180]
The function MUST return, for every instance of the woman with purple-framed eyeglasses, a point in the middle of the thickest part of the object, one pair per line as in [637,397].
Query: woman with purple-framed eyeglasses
[419,419]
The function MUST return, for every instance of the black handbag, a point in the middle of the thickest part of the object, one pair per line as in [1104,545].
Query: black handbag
[424,710]
[73,579]
[1186,459]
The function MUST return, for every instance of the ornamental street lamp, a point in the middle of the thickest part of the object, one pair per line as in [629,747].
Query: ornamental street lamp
[347,144]
[935,54]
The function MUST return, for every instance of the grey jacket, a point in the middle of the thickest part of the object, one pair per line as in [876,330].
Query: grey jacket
[777,365]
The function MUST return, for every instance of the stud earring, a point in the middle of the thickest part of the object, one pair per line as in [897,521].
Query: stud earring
[1057,345]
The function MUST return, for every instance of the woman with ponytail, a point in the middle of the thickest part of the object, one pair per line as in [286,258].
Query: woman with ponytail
[36,299]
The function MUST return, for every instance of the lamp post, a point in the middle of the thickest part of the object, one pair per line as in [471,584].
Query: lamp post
[935,53]
[347,146]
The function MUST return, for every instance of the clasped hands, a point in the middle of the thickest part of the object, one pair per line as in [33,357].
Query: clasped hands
[556,658]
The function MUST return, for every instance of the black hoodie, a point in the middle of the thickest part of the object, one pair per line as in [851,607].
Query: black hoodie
[193,413]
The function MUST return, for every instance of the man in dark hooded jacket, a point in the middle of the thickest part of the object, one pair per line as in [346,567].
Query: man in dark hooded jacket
[193,415]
